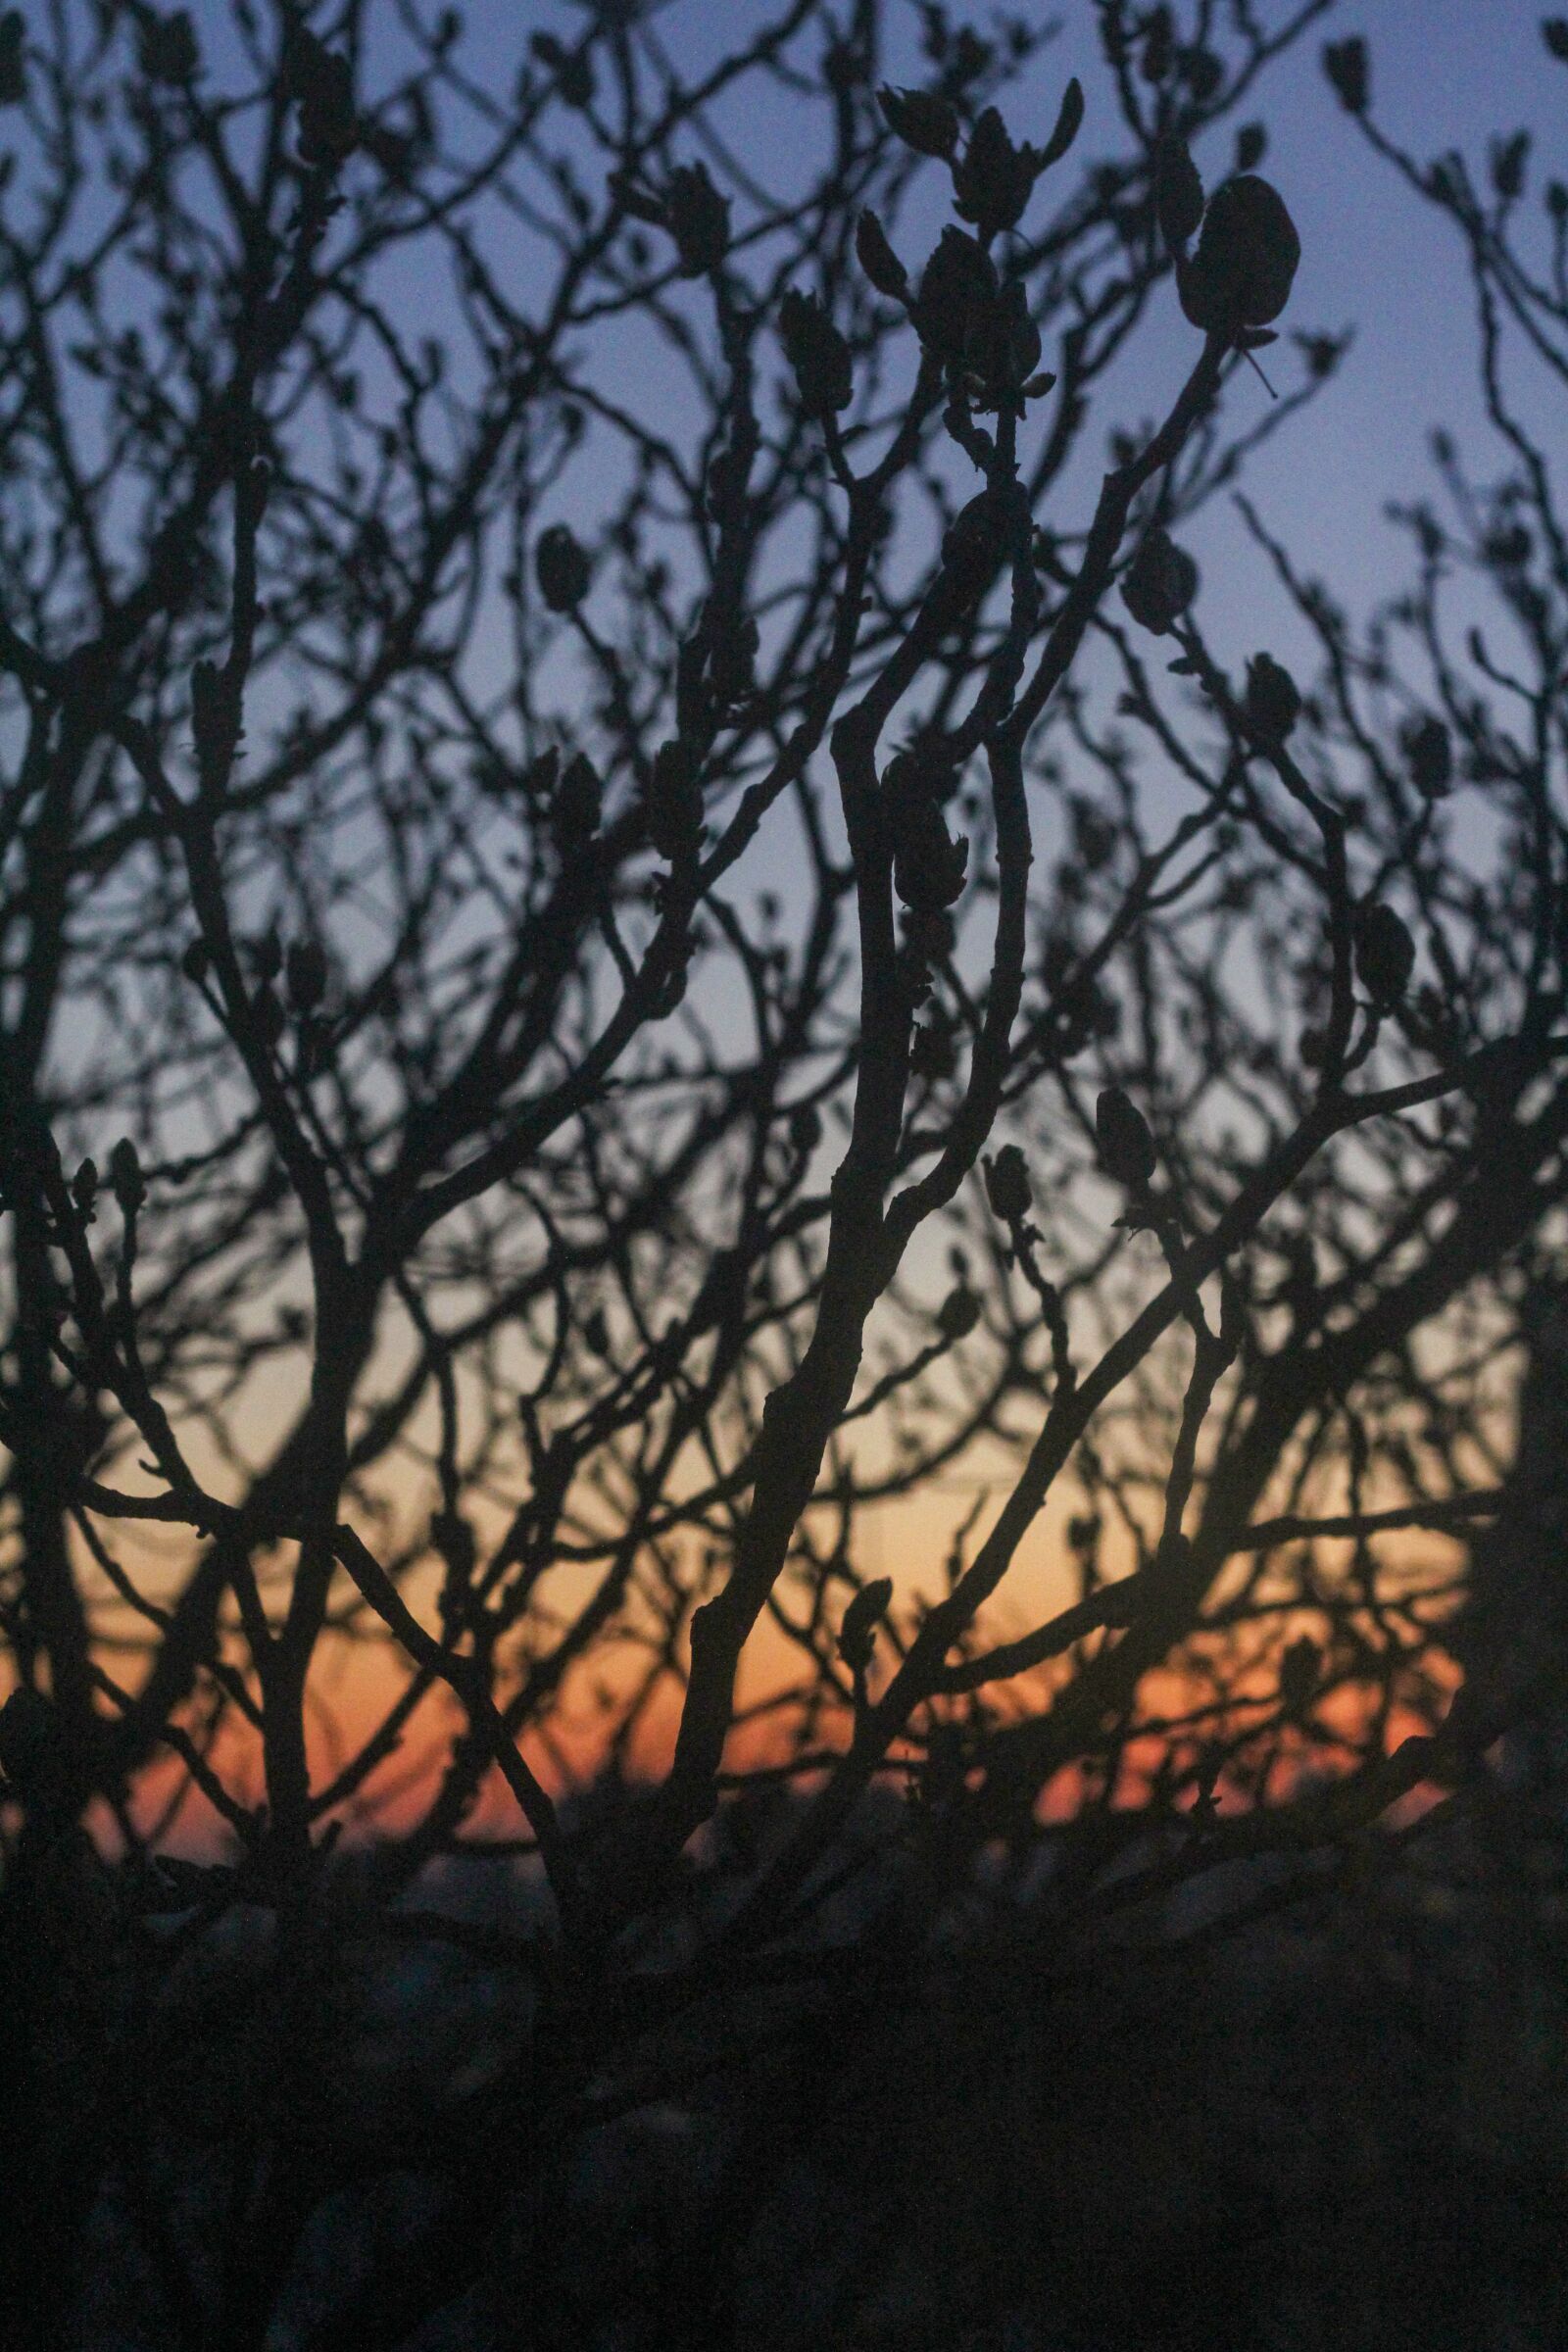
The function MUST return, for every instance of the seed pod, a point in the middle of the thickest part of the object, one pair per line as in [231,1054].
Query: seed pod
[84,1190]
[1555,32]
[866,1612]
[1178,191]
[697,216]
[922,119]
[1429,749]
[126,1179]
[1252,144]
[1345,64]
[1242,272]
[1271,700]
[958,1312]
[561,568]
[878,260]
[304,972]
[1008,1184]
[1384,955]
[818,353]
[1126,1147]
[1159,583]
[195,961]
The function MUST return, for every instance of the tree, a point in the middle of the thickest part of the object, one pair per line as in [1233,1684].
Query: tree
[538,675]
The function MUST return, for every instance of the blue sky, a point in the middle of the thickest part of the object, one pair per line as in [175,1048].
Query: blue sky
[1445,74]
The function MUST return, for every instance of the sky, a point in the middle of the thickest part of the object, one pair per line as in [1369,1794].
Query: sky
[1445,74]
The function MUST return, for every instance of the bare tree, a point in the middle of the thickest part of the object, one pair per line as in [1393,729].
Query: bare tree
[541,675]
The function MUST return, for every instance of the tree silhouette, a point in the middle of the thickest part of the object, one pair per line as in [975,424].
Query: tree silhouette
[642,923]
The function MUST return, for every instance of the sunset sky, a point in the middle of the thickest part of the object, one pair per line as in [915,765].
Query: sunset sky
[1445,74]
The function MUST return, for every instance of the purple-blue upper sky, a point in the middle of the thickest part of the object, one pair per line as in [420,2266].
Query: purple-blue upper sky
[1447,74]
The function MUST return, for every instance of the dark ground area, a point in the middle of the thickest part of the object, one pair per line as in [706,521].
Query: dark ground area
[1343,2124]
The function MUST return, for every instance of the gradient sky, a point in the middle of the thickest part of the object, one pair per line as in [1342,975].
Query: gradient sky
[1445,74]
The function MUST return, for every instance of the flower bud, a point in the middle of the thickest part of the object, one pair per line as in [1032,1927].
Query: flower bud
[305,972]
[1384,955]
[13,69]
[266,1011]
[576,804]
[1178,190]
[1271,701]
[169,50]
[878,260]
[126,1179]
[84,1190]
[958,288]
[805,1128]
[1429,749]
[1346,67]
[697,216]
[572,69]
[29,1737]
[994,181]
[922,119]
[866,1612]
[1126,1147]
[1008,1184]
[323,84]
[674,803]
[958,1312]
[1246,259]
[1301,1668]
[928,865]
[1159,583]
[561,568]
[818,353]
